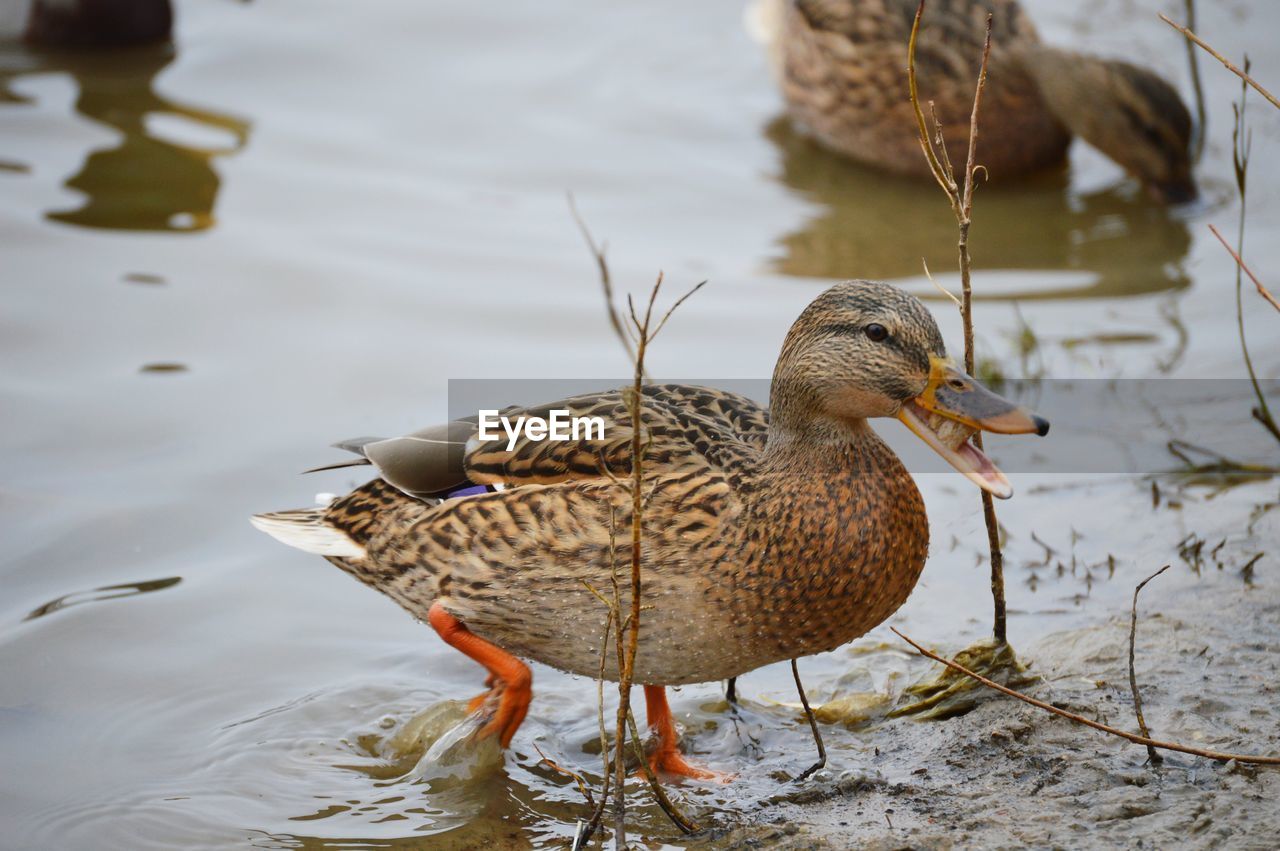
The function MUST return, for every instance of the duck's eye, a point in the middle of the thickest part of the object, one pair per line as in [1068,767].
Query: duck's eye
[876,332]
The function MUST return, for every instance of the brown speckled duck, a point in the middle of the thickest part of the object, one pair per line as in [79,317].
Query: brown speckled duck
[842,65]
[769,535]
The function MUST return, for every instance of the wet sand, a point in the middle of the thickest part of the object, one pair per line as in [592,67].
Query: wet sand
[1008,775]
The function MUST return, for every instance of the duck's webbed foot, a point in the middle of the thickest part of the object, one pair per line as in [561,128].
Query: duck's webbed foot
[666,757]
[510,681]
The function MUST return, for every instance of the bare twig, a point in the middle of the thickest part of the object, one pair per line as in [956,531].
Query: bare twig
[587,829]
[813,725]
[678,818]
[606,280]
[1197,88]
[1243,75]
[961,199]
[640,332]
[1262,291]
[1241,150]
[948,185]
[1080,719]
[939,287]
[672,309]
[970,166]
[555,766]
[1156,759]
[626,666]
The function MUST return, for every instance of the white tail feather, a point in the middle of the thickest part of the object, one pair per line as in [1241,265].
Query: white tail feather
[307,530]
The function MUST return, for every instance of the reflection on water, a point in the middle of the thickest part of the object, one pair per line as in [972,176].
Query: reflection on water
[107,592]
[146,181]
[875,225]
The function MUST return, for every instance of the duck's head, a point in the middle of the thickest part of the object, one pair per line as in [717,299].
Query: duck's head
[1129,113]
[866,349]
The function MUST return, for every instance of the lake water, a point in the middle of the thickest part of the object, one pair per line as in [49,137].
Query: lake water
[306,218]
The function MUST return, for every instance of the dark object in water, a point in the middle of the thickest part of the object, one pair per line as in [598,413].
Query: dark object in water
[96,23]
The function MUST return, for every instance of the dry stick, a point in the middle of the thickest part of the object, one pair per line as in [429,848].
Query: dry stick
[1224,60]
[678,818]
[1262,291]
[586,831]
[1155,758]
[555,766]
[626,667]
[606,280]
[961,198]
[1080,719]
[813,725]
[644,333]
[641,336]
[945,180]
[1196,87]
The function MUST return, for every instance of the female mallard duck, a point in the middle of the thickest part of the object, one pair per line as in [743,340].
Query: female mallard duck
[842,65]
[769,535]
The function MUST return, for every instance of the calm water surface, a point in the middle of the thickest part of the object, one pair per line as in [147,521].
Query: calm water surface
[301,221]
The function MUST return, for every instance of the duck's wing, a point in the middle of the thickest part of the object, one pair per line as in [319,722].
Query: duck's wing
[684,426]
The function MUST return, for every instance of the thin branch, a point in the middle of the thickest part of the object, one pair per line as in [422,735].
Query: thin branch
[555,766]
[961,199]
[970,167]
[948,186]
[1155,758]
[1224,60]
[937,285]
[678,818]
[672,309]
[943,154]
[606,280]
[1197,87]
[1262,291]
[1080,719]
[813,725]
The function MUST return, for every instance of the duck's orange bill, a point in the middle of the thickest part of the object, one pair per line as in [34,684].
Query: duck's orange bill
[952,408]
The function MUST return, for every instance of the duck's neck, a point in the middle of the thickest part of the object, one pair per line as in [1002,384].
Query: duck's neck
[840,448]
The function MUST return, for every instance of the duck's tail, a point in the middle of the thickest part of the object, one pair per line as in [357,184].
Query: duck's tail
[309,530]
[343,528]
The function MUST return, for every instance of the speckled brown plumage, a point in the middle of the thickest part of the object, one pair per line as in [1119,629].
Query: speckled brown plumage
[768,536]
[842,68]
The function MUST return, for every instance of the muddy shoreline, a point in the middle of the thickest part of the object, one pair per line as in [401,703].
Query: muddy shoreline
[1007,775]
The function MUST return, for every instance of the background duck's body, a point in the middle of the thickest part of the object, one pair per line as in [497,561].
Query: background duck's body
[842,66]
[85,23]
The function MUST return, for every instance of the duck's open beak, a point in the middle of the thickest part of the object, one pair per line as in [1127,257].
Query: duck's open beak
[954,407]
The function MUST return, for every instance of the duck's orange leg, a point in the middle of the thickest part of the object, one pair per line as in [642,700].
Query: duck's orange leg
[666,756]
[510,680]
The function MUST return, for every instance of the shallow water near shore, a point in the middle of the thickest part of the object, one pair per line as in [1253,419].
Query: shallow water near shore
[356,205]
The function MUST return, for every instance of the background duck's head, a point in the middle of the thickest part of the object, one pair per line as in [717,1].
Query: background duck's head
[1127,112]
[866,349]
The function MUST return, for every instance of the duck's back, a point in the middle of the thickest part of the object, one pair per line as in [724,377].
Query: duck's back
[842,65]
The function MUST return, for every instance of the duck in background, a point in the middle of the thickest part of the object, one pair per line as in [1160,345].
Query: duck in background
[842,67]
[85,23]
[114,51]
